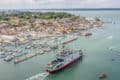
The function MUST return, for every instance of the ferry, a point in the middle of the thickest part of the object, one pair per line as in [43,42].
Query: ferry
[64,58]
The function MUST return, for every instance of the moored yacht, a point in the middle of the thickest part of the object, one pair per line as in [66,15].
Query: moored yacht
[2,55]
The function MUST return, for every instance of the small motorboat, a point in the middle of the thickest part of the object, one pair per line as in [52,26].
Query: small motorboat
[40,52]
[28,47]
[102,76]
[17,54]
[85,33]
[2,55]
[54,47]
[8,58]
[46,49]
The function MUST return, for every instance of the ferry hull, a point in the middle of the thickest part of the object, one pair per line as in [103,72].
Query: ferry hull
[66,65]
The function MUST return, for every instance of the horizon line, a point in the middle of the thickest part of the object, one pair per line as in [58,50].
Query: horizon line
[66,9]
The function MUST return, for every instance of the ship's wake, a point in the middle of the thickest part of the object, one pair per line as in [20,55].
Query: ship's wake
[109,37]
[40,76]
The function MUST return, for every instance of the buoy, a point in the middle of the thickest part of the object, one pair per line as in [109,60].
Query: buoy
[113,59]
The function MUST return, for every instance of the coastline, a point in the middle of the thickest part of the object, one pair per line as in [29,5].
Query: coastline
[25,28]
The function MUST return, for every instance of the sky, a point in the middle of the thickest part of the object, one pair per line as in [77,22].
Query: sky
[43,4]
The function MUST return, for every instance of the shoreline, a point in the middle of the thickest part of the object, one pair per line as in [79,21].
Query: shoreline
[25,26]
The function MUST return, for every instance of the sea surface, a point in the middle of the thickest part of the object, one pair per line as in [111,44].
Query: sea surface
[96,48]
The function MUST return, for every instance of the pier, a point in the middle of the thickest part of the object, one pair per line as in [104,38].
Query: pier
[28,56]
[69,40]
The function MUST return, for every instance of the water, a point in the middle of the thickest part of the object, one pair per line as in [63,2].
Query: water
[97,54]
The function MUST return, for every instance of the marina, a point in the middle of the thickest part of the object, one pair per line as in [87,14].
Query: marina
[20,55]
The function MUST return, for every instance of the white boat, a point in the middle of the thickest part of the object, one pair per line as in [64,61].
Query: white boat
[2,55]
[41,52]
[28,47]
[17,54]
[46,49]
[8,58]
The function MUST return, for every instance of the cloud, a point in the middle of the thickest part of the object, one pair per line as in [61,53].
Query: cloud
[97,3]
[49,1]
[37,4]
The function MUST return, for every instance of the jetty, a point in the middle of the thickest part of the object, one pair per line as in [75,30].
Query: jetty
[28,56]
[69,40]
